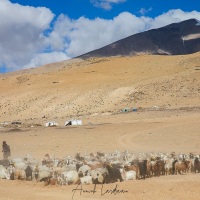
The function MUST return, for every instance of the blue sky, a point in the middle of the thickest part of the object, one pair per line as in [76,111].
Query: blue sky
[37,32]
[77,8]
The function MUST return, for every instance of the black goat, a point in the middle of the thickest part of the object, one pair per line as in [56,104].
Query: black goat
[114,174]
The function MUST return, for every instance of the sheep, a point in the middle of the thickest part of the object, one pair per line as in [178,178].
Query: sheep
[128,175]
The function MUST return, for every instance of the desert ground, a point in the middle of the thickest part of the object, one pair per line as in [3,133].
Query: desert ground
[164,89]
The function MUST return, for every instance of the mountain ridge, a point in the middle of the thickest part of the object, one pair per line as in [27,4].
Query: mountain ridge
[167,40]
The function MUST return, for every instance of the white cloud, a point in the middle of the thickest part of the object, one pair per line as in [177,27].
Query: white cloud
[46,58]
[106,4]
[82,35]
[24,44]
[21,32]
[144,11]
[173,16]
[76,37]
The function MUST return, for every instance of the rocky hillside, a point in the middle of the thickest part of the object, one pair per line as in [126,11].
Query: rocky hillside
[99,86]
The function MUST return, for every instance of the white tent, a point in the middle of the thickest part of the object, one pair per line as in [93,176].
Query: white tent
[73,122]
[51,124]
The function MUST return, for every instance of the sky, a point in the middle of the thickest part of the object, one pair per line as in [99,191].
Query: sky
[38,32]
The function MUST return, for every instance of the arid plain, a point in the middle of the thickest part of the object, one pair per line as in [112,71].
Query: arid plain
[164,89]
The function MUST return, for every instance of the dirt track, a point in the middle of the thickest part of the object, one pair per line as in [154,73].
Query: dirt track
[162,188]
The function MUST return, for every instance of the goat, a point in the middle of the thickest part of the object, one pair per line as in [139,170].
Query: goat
[99,176]
[134,168]
[83,170]
[168,167]
[19,174]
[196,165]
[142,168]
[4,173]
[79,158]
[128,175]
[114,174]
[70,178]
[181,166]
[86,180]
[29,172]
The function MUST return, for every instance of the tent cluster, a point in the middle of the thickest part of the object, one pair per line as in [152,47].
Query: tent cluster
[67,123]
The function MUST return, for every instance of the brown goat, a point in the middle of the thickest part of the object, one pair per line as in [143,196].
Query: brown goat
[20,174]
[157,168]
[181,166]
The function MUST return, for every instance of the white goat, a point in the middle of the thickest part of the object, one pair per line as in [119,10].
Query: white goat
[4,173]
[20,165]
[83,170]
[86,180]
[69,178]
[128,175]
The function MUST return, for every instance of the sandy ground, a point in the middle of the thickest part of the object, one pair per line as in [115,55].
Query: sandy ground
[150,131]
[96,90]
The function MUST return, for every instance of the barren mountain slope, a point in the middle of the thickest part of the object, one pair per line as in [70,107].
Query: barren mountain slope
[100,85]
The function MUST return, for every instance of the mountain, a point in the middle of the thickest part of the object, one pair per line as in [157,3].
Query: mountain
[174,39]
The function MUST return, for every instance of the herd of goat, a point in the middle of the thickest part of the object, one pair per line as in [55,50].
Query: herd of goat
[98,168]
